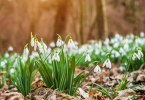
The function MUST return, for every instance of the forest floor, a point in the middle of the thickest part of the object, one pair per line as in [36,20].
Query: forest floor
[107,78]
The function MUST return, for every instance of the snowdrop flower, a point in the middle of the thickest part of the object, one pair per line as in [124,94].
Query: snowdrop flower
[131,36]
[2,64]
[34,54]
[71,43]
[56,57]
[122,68]
[12,70]
[50,61]
[117,36]
[40,47]
[112,56]
[122,51]
[10,48]
[103,53]
[32,42]
[107,63]
[87,57]
[140,54]
[59,42]
[117,54]
[76,43]
[126,47]
[44,45]
[6,55]
[97,69]
[134,56]
[48,51]
[24,59]
[92,41]
[142,34]
[26,51]
[97,51]
[109,48]
[106,42]
[52,44]
[116,45]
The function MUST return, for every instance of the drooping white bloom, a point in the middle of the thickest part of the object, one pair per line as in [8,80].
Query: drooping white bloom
[97,69]
[7,55]
[140,54]
[12,70]
[126,47]
[103,53]
[2,63]
[58,43]
[48,51]
[142,34]
[45,46]
[117,54]
[131,36]
[71,44]
[117,36]
[32,42]
[112,56]
[88,58]
[52,44]
[134,56]
[106,42]
[26,51]
[109,48]
[56,57]
[97,51]
[76,43]
[122,51]
[24,59]
[34,54]
[122,68]
[107,63]
[10,48]
[40,47]
[116,45]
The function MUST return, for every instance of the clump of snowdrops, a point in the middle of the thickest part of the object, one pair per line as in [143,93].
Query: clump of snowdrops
[122,85]
[6,66]
[24,72]
[60,73]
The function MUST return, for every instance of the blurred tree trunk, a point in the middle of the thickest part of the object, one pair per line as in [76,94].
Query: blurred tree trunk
[76,30]
[1,4]
[92,20]
[32,16]
[82,19]
[60,19]
[101,19]
[31,5]
[134,17]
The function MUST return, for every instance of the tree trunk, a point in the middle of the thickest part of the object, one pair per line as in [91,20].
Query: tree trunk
[76,30]
[1,5]
[60,19]
[82,16]
[134,17]
[101,19]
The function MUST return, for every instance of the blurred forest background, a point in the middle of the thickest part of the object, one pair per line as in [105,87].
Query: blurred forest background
[85,19]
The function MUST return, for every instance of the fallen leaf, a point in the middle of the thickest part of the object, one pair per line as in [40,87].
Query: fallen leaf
[125,95]
[83,93]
